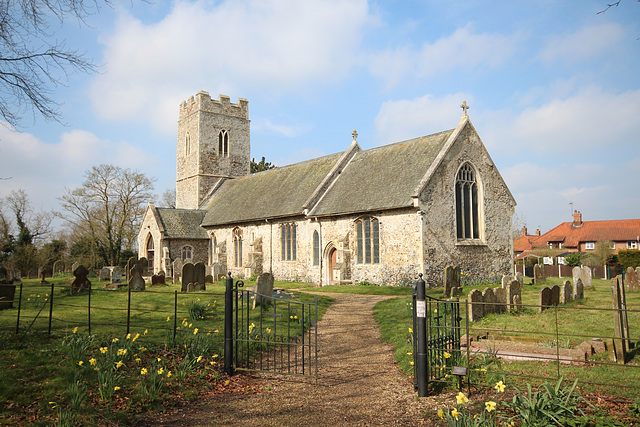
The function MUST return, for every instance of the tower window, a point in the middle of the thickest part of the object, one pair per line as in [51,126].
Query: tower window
[467,223]
[223,143]
[368,241]
[187,144]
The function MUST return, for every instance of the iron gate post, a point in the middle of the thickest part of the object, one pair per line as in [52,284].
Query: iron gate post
[228,326]
[421,322]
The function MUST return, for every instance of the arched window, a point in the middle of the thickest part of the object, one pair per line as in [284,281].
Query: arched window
[368,240]
[467,224]
[212,249]
[237,247]
[187,253]
[223,143]
[187,144]
[150,251]
[316,248]
[288,242]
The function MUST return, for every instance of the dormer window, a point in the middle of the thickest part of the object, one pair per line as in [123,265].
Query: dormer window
[223,143]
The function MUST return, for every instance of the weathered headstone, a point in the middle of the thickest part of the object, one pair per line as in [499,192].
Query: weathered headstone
[555,295]
[506,279]
[578,290]
[489,301]
[520,279]
[177,270]
[475,305]
[104,274]
[631,279]
[131,262]
[155,279]
[74,266]
[200,271]
[451,278]
[208,279]
[188,275]
[538,274]
[500,295]
[116,275]
[143,265]
[545,298]
[587,281]
[7,294]
[512,289]
[80,283]
[566,294]
[136,282]
[162,280]
[621,324]
[264,288]
[455,291]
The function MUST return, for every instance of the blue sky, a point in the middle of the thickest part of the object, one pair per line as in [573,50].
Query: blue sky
[553,87]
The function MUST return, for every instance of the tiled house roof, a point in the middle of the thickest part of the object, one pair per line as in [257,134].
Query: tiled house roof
[571,235]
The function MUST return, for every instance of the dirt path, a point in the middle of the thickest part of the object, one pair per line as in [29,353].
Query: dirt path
[358,384]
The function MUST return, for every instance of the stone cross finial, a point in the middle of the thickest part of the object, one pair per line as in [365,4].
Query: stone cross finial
[464,107]
[355,135]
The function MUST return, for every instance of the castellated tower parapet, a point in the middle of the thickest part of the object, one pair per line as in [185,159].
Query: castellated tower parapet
[213,145]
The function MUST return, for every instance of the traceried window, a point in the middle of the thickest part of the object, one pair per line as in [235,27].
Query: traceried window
[368,240]
[467,218]
[223,143]
[288,242]
[237,247]
[316,248]
[187,252]
[150,250]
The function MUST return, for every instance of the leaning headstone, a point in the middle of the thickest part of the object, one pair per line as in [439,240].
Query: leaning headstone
[188,275]
[3,273]
[500,295]
[545,298]
[489,301]
[104,274]
[621,324]
[555,295]
[578,290]
[566,293]
[631,278]
[143,265]
[264,290]
[116,275]
[475,305]
[451,278]
[200,271]
[136,282]
[80,283]
[538,274]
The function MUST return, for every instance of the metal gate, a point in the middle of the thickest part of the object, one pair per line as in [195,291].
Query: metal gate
[279,335]
[436,338]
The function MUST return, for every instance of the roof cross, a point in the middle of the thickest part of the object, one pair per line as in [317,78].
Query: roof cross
[464,107]
[355,135]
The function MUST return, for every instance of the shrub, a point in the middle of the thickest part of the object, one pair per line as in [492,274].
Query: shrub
[629,258]
[573,259]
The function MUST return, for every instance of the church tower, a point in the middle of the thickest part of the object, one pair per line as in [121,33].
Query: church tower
[213,144]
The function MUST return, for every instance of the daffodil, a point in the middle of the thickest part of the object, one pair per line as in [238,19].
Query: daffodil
[195,331]
[447,355]
[143,371]
[92,361]
[114,340]
[168,374]
[410,330]
[199,358]
[440,413]
[116,388]
[490,406]
[461,398]
[128,336]
[75,330]
[500,386]
[119,364]
[160,371]
[103,350]
[80,363]
[454,413]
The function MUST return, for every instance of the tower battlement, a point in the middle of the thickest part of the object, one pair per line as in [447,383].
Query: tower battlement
[202,101]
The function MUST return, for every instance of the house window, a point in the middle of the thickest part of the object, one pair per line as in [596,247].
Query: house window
[368,241]
[237,247]
[632,244]
[150,250]
[288,242]
[467,224]
[187,253]
[316,248]
[589,245]
[223,143]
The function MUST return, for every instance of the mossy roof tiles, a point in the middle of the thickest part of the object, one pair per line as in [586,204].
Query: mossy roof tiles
[182,223]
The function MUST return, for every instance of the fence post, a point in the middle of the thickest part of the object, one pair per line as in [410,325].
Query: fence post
[19,307]
[421,321]
[51,307]
[228,326]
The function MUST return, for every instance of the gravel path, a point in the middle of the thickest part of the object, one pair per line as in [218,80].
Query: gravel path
[358,384]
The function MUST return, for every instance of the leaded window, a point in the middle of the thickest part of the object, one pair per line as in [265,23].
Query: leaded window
[316,248]
[288,242]
[367,241]
[187,253]
[467,224]
[237,247]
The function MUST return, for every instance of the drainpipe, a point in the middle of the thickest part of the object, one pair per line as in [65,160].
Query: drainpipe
[320,251]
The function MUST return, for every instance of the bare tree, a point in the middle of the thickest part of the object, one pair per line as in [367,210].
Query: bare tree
[32,61]
[36,224]
[108,208]
[168,199]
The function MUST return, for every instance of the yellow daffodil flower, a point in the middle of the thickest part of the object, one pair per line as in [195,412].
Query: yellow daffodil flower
[490,406]
[461,398]
[500,386]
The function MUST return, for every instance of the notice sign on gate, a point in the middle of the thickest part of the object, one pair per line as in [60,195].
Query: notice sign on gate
[421,308]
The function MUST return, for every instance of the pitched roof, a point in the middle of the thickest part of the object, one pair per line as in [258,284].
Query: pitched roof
[524,243]
[381,178]
[619,230]
[182,223]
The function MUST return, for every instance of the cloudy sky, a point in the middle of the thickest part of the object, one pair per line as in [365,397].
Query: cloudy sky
[554,90]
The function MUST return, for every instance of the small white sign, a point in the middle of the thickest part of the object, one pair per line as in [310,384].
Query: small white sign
[548,260]
[421,308]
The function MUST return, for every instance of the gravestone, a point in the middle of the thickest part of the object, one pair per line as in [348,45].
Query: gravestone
[200,273]
[475,305]
[566,294]
[188,275]
[43,277]
[155,279]
[74,266]
[632,279]
[578,290]
[520,279]
[162,280]
[136,282]
[264,288]
[131,262]
[555,295]
[506,279]
[621,343]
[583,273]
[451,278]
[489,301]
[177,270]
[500,295]
[58,267]
[80,283]
[538,274]
[208,279]
[116,275]
[545,298]
[7,294]
[104,274]
[143,265]
[455,291]
[512,289]
[3,273]
[197,287]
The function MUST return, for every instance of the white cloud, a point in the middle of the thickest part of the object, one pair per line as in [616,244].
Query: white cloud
[44,170]
[278,44]
[585,44]
[408,118]
[463,49]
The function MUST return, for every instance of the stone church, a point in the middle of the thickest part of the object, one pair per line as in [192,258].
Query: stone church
[381,215]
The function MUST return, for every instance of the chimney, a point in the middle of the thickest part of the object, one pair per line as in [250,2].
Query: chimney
[538,232]
[577,219]
[524,231]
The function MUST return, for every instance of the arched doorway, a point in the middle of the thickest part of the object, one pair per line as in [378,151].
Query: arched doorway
[150,253]
[330,260]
